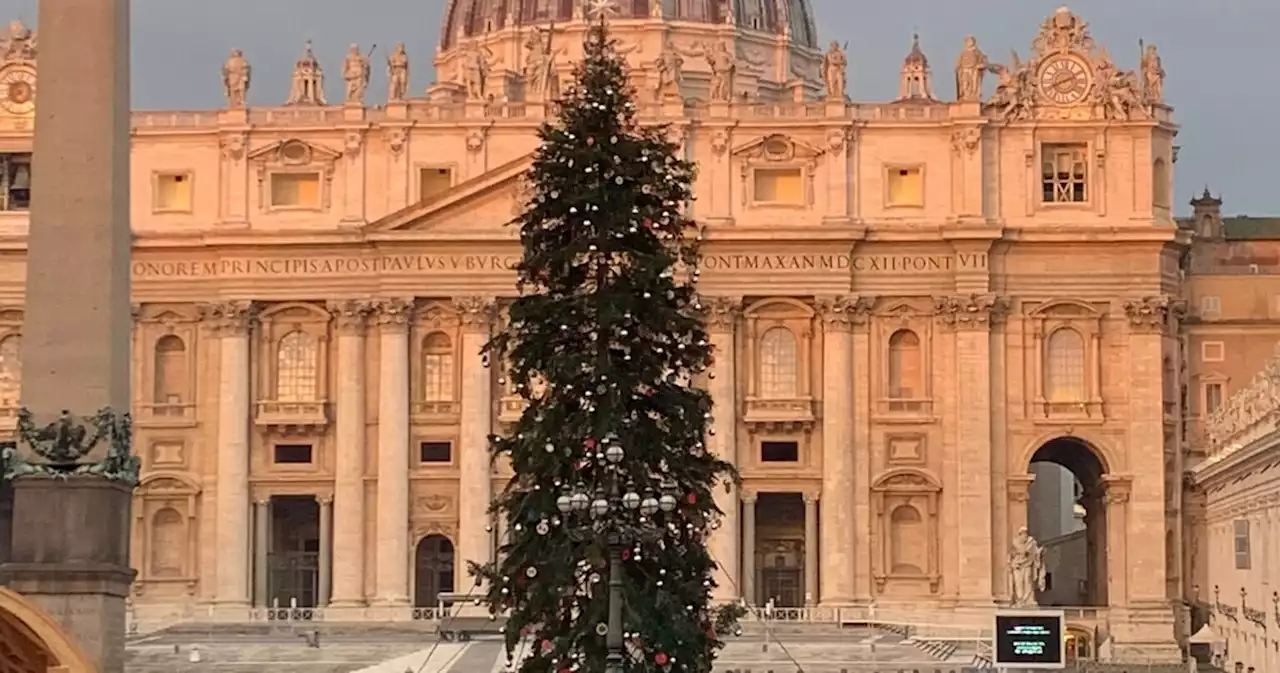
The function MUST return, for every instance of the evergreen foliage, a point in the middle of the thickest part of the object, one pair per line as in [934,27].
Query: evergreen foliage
[603,342]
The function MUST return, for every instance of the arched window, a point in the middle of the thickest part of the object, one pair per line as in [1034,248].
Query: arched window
[1064,367]
[779,375]
[170,370]
[906,380]
[437,368]
[297,369]
[10,370]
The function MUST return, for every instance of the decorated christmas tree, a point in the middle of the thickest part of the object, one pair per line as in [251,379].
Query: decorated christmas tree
[611,501]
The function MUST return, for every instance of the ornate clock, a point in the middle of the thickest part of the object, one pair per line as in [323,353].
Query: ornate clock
[1064,80]
[17,90]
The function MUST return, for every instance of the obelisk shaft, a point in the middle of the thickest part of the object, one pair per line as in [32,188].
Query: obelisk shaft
[75,337]
[70,552]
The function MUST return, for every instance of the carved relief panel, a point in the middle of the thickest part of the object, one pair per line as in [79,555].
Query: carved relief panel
[905,507]
[902,336]
[293,367]
[1066,369]
[779,347]
[434,363]
[165,353]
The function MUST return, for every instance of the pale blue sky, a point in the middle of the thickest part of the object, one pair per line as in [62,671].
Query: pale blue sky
[1220,56]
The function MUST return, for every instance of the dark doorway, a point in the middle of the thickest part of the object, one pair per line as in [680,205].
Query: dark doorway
[432,570]
[294,561]
[779,551]
[1066,514]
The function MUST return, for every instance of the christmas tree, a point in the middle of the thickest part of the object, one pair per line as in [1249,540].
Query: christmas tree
[612,485]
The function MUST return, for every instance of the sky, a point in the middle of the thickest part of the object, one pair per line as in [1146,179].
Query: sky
[1220,57]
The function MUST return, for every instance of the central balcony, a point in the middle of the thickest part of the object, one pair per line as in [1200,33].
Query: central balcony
[779,415]
[292,415]
[436,412]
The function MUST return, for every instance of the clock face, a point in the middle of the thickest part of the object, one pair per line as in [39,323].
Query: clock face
[1064,80]
[17,90]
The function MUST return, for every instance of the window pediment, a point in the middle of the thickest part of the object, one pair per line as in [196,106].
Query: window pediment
[903,311]
[1066,308]
[165,315]
[777,148]
[907,479]
[294,153]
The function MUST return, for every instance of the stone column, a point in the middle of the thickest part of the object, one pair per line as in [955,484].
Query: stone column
[326,550]
[1116,497]
[971,318]
[393,453]
[721,322]
[261,552]
[810,549]
[234,323]
[837,450]
[475,486]
[749,548]
[349,541]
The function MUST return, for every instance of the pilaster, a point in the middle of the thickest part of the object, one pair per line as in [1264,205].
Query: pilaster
[749,547]
[349,540]
[863,403]
[971,318]
[392,536]
[355,167]
[721,323]
[233,323]
[475,487]
[838,315]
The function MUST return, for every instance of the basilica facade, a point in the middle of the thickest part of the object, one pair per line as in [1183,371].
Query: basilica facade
[912,301]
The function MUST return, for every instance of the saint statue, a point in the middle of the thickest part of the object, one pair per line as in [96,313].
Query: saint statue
[670,66]
[970,69]
[1152,75]
[539,66]
[474,73]
[355,71]
[834,64]
[1026,569]
[398,74]
[723,69]
[308,81]
[236,76]
[20,44]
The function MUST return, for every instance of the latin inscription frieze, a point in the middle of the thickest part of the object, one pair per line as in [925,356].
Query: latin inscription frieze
[845,263]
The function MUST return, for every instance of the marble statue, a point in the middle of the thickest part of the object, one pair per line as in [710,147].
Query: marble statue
[398,73]
[308,81]
[1152,75]
[971,67]
[1013,99]
[670,67]
[236,77]
[1026,569]
[1117,91]
[539,66]
[20,44]
[355,72]
[473,72]
[834,65]
[724,67]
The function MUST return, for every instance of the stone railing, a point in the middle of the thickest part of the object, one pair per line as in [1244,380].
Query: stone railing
[1247,416]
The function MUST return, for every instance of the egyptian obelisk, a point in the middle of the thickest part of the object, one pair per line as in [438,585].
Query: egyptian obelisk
[71,515]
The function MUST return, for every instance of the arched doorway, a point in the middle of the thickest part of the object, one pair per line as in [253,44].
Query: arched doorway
[1066,514]
[31,642]
[432,570]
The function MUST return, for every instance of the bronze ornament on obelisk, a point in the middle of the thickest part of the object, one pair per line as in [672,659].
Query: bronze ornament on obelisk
[73,471]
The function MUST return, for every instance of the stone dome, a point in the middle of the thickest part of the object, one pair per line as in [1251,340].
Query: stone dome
[474,18]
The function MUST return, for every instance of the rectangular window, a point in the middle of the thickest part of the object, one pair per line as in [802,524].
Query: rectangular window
[1064,172]
[780,452]
[778,186]
[173,193]
[15,181]
[1212,397]
[292,454]
[1210,305]
[904,187]
[435,452]
[434,181]
[295,190]
[1212,351]
[1242,543]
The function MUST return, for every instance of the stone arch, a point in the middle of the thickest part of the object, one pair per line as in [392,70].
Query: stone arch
[1106,456]
[163,480]
[280,309]
[38,637]
[1067,307]
[780,302]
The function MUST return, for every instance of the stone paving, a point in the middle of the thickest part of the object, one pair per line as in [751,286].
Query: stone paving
[415,650]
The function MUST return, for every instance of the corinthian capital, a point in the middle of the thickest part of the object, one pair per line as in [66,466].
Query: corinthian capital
[394,313]
[1154,314]
[230,318]
[720,314]
[350,315]
[972,311]
[842,313]
[476,313]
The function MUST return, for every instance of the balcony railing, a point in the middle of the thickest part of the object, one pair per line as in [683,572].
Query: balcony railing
[165,413]
[436,412]
[1076,411]
[779,414]
[290,414]
[510,408]
[904,408]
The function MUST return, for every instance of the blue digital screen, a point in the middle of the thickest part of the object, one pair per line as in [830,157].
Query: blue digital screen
[1028,640]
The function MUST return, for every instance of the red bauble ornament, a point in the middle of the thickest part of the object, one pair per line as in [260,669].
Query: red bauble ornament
[661,658]
[591,140]
[691,498]
[546,646]
[589,443]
